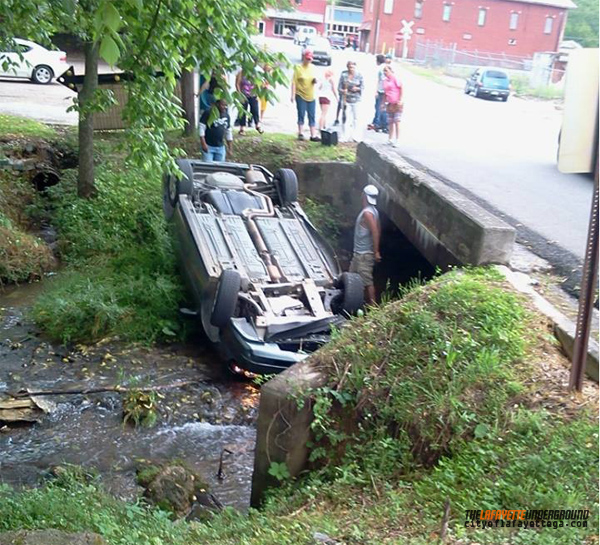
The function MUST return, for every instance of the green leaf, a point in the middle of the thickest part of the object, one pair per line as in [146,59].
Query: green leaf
[111,17]
[279,470]
[109,50]
[482,430]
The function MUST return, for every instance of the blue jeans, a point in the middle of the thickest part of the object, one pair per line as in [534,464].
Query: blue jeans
[306,107]
[215,153]
[380,119]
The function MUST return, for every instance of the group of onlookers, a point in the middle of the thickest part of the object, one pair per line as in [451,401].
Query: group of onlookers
[306,88]
[216,132]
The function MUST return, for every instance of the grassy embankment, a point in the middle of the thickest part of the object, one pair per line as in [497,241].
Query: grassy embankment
[22,255]
[453,393]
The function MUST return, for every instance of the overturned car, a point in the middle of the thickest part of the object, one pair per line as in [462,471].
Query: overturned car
[265,284]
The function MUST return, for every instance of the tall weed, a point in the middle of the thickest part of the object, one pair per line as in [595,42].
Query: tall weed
[121,277]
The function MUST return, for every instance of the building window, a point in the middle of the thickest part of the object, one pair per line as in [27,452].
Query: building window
[261,27]
[548,25]
[514,21]
[482,16]
[446,12]
[282,27]
[418,9]
[388,7]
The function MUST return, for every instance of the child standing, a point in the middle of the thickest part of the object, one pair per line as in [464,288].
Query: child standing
[327,94]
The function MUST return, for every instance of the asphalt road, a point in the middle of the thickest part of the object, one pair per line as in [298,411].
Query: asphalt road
[501,154]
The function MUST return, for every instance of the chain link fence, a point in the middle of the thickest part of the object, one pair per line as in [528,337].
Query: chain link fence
[539,70]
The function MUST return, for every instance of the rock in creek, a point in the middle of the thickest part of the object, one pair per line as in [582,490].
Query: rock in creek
[177,489]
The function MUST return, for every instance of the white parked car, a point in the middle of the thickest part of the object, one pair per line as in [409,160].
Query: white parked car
[38,64]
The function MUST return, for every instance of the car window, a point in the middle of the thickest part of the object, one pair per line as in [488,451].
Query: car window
[17,48]
[495,74]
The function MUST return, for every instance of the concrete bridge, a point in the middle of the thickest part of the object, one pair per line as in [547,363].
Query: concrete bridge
[446,227]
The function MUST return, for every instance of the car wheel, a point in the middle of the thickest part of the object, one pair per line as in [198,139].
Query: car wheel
[186,184]
[504,99]
[42,74]
[353,295]
[226,298]
[174,186]
[286,183]
[467,90]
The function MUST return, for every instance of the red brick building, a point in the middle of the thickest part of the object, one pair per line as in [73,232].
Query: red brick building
[282,23]
[513,27]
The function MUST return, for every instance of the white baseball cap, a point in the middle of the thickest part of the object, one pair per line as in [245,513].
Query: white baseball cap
[371,192]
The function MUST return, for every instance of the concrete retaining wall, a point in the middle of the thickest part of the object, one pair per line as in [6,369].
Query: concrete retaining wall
[283,427]
[445,226]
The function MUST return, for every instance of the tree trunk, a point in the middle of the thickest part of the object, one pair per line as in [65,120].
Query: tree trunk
[187,101]
[85,183]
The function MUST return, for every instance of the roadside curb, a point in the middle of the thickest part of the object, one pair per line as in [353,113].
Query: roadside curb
[563,327]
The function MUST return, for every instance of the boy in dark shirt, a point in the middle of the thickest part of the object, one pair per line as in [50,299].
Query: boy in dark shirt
[214,135]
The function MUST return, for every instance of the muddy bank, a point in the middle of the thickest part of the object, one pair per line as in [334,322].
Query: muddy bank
[199,410]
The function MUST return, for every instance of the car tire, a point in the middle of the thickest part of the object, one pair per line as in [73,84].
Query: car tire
[226,298]
[467,90]
[504,99]
[353,292]
[42,74]
[186,183]
[174,186]
[286,183]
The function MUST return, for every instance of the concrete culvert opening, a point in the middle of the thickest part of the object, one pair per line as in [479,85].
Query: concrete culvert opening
[45,179]
[400,262]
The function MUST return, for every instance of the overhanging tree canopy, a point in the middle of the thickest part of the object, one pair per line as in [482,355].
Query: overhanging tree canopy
[145,37]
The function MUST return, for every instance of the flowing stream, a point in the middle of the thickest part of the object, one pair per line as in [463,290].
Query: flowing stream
[201,412]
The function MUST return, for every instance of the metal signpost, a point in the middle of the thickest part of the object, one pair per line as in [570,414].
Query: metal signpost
[406,32]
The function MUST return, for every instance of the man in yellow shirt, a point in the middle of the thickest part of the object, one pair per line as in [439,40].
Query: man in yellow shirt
[303,92]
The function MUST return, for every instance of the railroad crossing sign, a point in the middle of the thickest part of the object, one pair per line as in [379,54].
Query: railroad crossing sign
[406,32]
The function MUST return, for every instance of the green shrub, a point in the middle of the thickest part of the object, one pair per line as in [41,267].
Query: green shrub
[325,218]
[425,373]
[121,277]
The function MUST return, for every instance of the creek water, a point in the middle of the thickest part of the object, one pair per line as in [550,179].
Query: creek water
[200,413]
